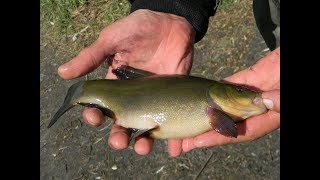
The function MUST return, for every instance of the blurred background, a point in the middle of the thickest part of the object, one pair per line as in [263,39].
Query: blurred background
[73,150]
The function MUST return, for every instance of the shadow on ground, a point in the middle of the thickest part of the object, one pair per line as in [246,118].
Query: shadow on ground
[72,150]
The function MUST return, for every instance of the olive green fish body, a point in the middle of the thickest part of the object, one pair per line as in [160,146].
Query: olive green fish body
[169,106]
[160,103]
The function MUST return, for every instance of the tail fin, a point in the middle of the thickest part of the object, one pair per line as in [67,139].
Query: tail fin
[69,101]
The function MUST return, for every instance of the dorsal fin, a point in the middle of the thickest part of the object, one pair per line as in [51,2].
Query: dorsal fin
[125,72]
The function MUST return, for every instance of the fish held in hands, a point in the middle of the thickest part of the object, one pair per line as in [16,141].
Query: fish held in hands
[166,106]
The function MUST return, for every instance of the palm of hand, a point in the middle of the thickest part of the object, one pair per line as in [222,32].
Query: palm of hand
[156,42]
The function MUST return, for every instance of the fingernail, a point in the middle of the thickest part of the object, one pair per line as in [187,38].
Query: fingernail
[94,124]
[198,144]
[111,145]
[268,103]
[62,68]
[188,145]
[201,142]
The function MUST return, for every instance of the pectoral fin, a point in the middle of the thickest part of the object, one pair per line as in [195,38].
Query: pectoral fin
[221,122]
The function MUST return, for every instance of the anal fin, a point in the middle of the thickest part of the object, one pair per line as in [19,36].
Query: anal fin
[221,122]
[138,132]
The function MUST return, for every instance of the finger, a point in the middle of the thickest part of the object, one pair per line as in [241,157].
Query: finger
[188,145]
[252,128]
[174,147]
[110,75]
[86,61]
[93,117]
[143,145]
[267,69]
[119,138]
[272,100]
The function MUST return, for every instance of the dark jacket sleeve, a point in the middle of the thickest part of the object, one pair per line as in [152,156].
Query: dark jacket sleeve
[267,16]
[196,12]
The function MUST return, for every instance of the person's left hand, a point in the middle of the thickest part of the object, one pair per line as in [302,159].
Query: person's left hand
[158,42]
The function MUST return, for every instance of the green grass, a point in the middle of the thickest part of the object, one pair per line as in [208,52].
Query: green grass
[227,4]
[72,24]
[59,11]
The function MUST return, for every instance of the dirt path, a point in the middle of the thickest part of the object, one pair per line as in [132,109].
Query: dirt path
[72,150]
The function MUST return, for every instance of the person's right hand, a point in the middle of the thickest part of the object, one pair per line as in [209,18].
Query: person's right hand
[153,41]
[265,76]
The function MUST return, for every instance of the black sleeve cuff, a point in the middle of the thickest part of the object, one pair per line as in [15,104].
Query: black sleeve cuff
[196,12]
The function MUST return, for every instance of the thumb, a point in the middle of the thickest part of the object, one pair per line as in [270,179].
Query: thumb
[272,100]
[86,61]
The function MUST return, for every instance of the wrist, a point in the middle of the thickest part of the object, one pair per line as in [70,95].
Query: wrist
[174,27]
[197,13]
[180,25]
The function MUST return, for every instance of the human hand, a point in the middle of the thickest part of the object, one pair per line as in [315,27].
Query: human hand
[264,75]
[157,42]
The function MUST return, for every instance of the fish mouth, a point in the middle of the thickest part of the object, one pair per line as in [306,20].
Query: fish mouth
[257,101]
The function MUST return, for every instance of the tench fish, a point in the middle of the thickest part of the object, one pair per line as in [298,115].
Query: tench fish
[166,106]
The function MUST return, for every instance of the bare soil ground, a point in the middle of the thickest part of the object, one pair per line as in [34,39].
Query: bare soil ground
[73,150]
